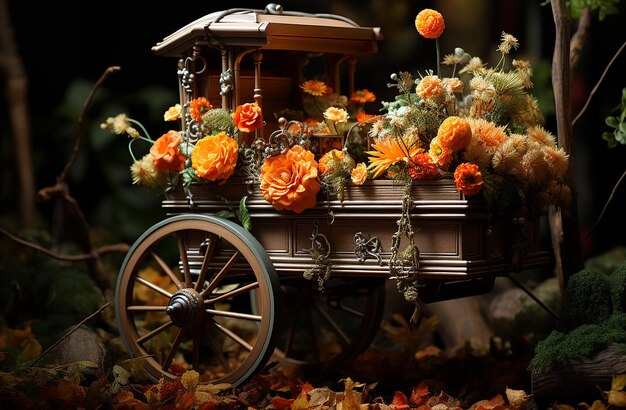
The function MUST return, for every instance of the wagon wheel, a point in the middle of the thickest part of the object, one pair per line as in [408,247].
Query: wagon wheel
[183,300]
[325,330]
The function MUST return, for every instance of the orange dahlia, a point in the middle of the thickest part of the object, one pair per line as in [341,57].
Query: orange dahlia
[198,107]
[429,23]
[289,180]
[316,88]
[215,156]
[454,133]
[429,87]
[422,166]
[468,178]
[165,152]
[248,117]
[388,151]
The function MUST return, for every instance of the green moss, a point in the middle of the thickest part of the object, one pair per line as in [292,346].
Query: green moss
[618,289]
[588,299]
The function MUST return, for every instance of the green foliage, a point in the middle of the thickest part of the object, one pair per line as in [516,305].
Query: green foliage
[608,261]
[585,341]
[500,193]
[604,7]
[587,298]
[618,289]
[618,123]
[242,215]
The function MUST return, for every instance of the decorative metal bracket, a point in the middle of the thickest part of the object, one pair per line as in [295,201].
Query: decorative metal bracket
[320,252]
[366,247]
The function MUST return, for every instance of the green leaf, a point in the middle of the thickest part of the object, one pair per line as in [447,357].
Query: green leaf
[225,213]
[610,139]
[611,122]
[244,215]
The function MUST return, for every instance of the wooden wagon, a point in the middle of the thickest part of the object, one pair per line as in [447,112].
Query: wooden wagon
[198,291]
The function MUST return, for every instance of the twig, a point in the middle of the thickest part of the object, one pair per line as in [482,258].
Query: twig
[120,247]
[578,38]
[595,88]
[67,334]
[81,117]
[606,204]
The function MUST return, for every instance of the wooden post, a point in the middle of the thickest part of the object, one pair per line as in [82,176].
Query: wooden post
[566,243]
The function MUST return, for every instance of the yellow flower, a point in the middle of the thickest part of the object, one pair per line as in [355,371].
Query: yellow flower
[316,88]
[289,180]
[486,138]
[335,114]
[557,160]
[540,135]
[507,42]
[359,174]
[173,113]
[117,125]
[535,171]
[143,172]
[387,151]
[475,64]
[508,156]
[441,155]
[214,157]
[429,23]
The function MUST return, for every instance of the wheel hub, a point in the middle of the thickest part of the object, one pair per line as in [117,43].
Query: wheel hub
[185,307]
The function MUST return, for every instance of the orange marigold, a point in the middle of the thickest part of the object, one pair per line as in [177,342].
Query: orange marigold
[248,117]
[165,152]
[289,180]
[422,166]
[359,174]
[198,107]
[429,87]
[468,178]
[215,156]
[362,116]
[316,88]
[429,23]
[362,96]
[454,133]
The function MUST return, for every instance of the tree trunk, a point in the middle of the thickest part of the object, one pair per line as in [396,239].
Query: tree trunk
[17,101]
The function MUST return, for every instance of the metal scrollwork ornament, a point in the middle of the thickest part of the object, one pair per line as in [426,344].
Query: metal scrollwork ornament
[320,252]
[366,247]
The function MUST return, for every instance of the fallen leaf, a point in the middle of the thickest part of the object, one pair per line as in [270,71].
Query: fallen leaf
[70,394]
[322,396]
[281,403]
[190,380]
[301,403]
[125,400]
[517,398]
[596,405]
[619,382]
[495,403]
[420,394]
[428,351]
[617,398]
[399,401]
[558,406]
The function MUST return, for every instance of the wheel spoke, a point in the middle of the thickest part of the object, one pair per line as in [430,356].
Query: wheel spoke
[167,270]
[314,345]
[146,308]
[220,275]
[208,254]
[235,315]
[218,352]
[234,292]
[155,332]
[182,248]
[343,339]
[351,311]
[153,286]
[233,336]
[170,356]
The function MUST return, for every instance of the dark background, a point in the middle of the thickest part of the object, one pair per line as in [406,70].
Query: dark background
[65,47]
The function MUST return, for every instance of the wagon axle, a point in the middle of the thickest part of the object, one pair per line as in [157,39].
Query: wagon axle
[185,308]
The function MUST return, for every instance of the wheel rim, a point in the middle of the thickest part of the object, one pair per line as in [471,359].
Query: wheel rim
[323,330]
[183,300]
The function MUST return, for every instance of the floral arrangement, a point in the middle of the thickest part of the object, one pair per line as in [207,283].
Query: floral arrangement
[477,125]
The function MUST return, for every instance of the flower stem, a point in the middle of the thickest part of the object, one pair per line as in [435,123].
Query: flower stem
[131,150]
[140,125]
[438,58]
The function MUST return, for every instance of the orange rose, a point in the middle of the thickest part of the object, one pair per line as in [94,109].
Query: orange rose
[165,152]
[359,174]
[468,178]
[173,113]
[248,117]
[214,157]
[429,23]
[454,133]
[289,180]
